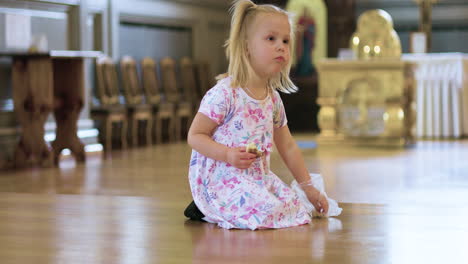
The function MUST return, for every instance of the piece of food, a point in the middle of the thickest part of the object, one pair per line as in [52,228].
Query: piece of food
[252,148]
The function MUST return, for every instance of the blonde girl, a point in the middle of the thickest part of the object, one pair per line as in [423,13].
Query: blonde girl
[230,186]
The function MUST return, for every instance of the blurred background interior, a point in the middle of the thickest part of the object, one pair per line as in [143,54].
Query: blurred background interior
[381,112]
[196,31]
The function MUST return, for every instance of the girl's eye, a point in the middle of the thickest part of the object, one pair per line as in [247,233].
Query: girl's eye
[271,38]
[286,41]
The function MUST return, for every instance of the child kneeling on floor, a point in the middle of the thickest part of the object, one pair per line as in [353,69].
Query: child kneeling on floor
[231,186]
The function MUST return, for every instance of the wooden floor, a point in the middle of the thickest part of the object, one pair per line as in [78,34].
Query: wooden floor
[400,206]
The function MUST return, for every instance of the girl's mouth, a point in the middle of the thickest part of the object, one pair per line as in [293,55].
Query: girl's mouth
[280,58]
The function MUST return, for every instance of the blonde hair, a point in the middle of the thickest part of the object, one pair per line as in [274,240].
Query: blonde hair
[243,13]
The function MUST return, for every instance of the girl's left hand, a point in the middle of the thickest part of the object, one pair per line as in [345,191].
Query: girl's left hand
[319,200]
[322,205]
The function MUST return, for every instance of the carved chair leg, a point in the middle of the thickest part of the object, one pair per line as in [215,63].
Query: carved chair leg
[158,129]
[149,126]
[173,128]
[134,132]
[123,133]
[178,125]
[108,135]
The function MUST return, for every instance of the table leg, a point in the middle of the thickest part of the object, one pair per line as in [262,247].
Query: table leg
[68,102]
[32,97]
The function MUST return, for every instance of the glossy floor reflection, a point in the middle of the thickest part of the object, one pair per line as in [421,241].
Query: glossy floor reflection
[399,206]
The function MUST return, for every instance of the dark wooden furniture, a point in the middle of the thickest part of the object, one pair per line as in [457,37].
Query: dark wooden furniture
[109,111]
[162,108]
[205,80]
[301,107]
[189,82]
[184,108]
[341,24]
[138,109]
[44,83]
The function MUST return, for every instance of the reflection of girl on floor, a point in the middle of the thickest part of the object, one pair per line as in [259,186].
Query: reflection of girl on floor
[218,245]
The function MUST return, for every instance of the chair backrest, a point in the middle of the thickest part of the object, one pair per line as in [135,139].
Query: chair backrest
[150,81]
[204,78]
[168,79]
[131,84]
[107,88]
[189,82]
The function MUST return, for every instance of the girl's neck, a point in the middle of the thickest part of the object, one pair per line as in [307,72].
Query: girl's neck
[257,88]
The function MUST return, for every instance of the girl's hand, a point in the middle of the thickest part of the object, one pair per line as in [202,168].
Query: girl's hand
[319,201]
[239,158]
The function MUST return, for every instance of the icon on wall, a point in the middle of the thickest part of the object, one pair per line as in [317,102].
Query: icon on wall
[305,39]
[310,18]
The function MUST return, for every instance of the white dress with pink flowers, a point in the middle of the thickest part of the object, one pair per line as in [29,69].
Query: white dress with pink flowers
[252,198]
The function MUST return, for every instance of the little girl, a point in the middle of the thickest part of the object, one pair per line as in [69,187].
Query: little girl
[230,186]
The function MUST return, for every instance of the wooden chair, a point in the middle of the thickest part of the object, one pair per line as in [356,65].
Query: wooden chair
[137,109]
[109,111]
[184,109]
[204,78]
[189,82]
[162,109]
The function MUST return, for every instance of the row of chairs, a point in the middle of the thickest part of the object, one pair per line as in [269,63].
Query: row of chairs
[148,99]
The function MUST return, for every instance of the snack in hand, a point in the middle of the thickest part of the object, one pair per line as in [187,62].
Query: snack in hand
[252,148]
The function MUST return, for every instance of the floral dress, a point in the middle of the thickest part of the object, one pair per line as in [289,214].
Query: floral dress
[252,198]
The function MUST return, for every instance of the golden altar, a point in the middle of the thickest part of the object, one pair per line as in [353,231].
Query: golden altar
[366,102]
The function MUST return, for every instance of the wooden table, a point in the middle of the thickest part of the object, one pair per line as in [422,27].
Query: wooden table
[42,83]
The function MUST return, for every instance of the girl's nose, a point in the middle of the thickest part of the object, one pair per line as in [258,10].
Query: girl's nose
[280,47]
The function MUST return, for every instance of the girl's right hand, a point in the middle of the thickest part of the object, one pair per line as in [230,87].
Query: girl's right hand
[239,158]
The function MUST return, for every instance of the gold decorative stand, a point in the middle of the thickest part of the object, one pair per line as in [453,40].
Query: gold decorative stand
[366,102]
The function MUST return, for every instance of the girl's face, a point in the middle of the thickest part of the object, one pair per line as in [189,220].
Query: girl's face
[268,44]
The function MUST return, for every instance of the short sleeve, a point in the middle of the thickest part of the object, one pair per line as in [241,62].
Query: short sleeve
[279,114]
[215,104]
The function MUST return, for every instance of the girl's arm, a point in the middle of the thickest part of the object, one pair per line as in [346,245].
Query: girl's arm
[200,139]
[292,156]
